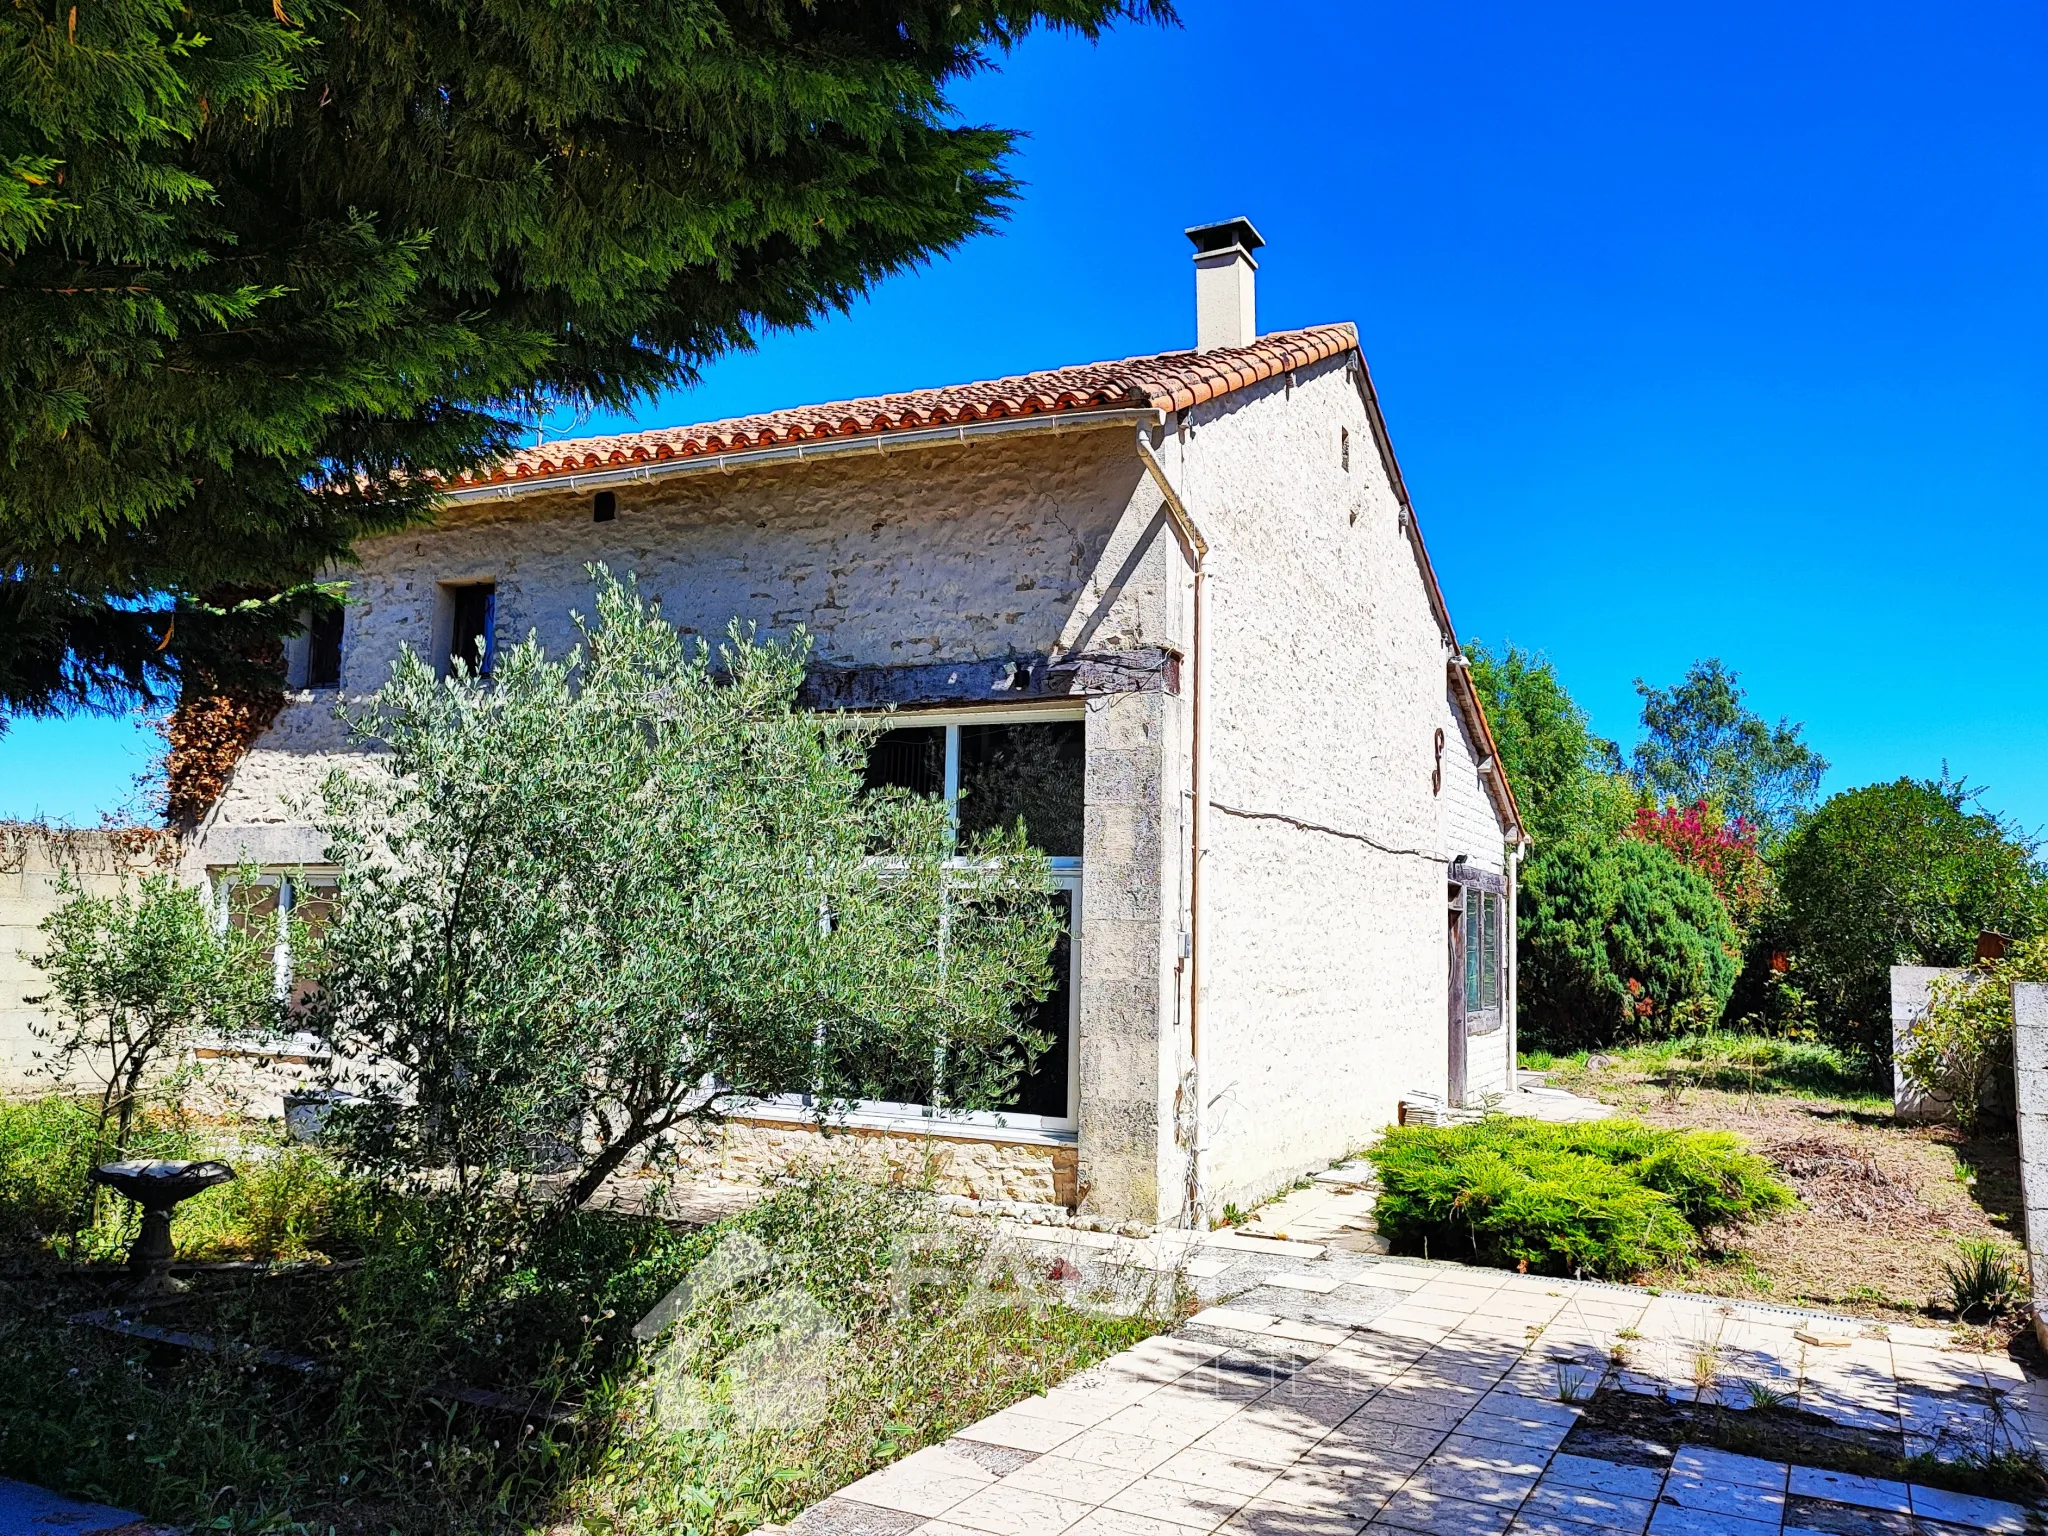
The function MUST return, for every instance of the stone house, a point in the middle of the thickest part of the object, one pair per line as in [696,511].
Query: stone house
[1179,607]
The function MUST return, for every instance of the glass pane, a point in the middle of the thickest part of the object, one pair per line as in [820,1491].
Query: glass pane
[913,758]
[470,639]
[323,650]
[1489,962]
[1043,1090]
[1471,939]
[312,906]
[252,908]
[1037,771]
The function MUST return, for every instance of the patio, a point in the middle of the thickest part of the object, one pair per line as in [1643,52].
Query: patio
[1337,1392]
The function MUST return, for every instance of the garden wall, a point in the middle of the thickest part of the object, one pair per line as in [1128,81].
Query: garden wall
[1912,991]
[2030,1088]
[34,863]
[750,1150]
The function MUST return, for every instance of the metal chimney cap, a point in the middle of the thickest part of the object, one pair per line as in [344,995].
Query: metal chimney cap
[1221,237]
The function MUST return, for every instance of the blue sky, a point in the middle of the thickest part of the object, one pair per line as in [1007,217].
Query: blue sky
[1701,330]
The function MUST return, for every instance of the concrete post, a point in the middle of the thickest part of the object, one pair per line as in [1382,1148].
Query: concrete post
[2030,1090]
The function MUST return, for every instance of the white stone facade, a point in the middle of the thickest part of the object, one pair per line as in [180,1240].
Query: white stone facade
[1327,831]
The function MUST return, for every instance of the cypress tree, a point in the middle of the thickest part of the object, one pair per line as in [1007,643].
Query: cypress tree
[267,266]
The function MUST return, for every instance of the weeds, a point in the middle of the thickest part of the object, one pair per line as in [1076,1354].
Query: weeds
[1737,1063]
[860,1325]
[1762,1394]
[1983,1278]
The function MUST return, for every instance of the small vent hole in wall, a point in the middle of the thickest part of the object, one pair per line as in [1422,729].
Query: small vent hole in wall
[605,507]
[1344,448]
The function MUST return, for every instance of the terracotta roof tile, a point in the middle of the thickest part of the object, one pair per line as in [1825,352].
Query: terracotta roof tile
[1166,381]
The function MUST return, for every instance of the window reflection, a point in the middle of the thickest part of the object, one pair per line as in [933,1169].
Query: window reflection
[1036,771]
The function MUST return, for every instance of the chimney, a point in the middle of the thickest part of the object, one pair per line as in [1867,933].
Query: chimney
[1226,314]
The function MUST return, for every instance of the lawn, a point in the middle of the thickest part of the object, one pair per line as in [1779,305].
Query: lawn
[1883,1203]
[826,1331]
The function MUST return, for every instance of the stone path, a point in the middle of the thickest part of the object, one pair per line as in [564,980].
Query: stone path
[1339,1392]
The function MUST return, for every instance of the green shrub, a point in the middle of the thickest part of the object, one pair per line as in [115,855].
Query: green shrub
[1983,1278]
[1961,1050]
[1612,1198]
[1906,873]
[1620,941]
[45,1145]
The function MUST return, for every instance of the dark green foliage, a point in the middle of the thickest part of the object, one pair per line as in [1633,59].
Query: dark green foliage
[1700,743]
[1619,940]
[1613,1198]
[1564,776]
[262,265]
[1905,873]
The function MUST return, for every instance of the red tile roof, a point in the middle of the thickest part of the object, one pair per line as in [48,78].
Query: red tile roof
[1166,381]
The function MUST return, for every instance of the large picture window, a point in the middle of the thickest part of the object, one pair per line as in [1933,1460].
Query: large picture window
[992,770]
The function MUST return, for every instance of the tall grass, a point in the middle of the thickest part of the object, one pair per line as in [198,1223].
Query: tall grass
[931,1323]
[1738,1063]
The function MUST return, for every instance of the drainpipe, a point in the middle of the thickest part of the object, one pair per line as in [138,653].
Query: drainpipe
[1195,549]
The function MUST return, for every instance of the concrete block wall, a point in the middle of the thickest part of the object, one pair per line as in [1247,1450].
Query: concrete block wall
[35,864]
[755,1150]
[2030,1091]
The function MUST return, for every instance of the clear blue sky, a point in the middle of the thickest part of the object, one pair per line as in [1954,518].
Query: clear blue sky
[1701,329]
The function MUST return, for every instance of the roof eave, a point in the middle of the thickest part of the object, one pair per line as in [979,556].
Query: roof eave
[864,443]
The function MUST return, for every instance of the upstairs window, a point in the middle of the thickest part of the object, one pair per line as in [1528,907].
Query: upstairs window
[472,632]
[323,649]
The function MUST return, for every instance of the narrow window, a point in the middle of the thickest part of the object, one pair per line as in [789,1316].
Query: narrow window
[472,639]
[1344,448]
[1474,900]
[1489,960]
[605,507]
[323,649]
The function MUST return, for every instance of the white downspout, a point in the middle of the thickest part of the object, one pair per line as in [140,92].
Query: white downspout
[1195,548]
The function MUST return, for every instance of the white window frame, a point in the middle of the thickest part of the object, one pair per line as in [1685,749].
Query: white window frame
[223,882]
[1067,876]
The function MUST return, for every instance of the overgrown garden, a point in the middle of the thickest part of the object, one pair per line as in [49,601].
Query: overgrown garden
[584,907]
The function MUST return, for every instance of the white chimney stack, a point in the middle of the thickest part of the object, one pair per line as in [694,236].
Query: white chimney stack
[1226,310]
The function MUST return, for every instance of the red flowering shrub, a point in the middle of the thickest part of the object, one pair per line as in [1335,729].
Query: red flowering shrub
[1724,851]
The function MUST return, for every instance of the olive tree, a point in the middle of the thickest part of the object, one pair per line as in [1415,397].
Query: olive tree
[596,899]
[134,977]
